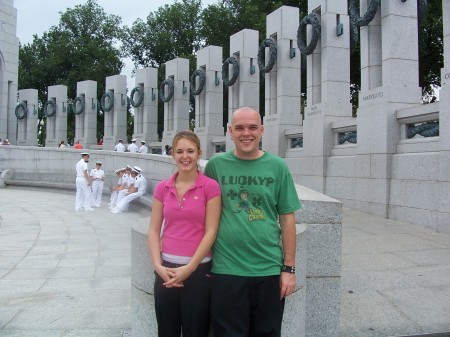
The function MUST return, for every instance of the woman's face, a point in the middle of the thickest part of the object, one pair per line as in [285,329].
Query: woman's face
[186,155]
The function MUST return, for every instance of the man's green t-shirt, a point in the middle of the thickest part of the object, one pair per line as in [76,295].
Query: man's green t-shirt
[254,192]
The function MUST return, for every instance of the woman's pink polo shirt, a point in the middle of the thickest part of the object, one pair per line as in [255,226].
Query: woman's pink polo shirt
[184,220]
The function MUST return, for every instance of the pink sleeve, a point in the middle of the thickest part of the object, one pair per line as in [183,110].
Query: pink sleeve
[158,193]
[212,189]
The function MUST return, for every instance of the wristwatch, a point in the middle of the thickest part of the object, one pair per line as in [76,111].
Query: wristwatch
[288,269]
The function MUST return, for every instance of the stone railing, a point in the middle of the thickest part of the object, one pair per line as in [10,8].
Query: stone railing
[55,168]
[413,121]
[344,136]
[295,141]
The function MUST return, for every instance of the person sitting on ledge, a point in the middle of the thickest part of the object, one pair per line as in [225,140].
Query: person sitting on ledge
[116,188]
[133,192]
[78,146]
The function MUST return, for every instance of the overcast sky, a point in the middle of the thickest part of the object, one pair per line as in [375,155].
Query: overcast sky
[37,16]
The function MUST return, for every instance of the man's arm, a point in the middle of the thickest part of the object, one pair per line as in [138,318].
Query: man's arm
[288,236]
[88,178]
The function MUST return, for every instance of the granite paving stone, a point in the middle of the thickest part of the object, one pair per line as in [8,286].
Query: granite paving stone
[67,273]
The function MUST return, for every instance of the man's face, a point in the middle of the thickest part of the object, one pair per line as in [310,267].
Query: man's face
[246,131]
[86,159]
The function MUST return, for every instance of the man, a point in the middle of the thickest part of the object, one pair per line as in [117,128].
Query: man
[98,180]
[134,191]
[116,188]
[125,182]
[78,145]
[143,148]
[253,270]
[133,147]
[166,150]
[120,147]
[83,181]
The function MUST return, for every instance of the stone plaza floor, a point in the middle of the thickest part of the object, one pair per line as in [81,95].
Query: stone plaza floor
[67,273]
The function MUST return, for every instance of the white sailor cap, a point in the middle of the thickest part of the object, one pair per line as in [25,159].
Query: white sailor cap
[123,169]
[120,140]
[84,154]
[118,171]
[137,168]
[136,171]
[133,140]
[129,167]
[143,141]
[98,162]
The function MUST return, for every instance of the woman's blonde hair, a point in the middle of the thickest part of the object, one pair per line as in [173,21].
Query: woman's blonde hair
[189,135]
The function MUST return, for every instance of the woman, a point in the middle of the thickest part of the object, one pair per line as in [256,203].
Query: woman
[189,204]
[98,181]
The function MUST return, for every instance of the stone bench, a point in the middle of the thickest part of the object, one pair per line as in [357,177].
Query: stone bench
[143,319]
[9,180]
[8,177]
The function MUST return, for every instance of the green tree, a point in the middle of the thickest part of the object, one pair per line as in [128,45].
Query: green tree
[171,31]
[81,47]
[431,50]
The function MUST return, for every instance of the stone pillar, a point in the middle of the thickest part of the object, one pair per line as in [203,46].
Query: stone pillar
[209,103]
[282,83]
[328,89]
[27,127]
[115,120]
[56,125]
[9,60]
[176,111]
[86,117]
[389,81]
[245,92]
[444,123]
[146,115]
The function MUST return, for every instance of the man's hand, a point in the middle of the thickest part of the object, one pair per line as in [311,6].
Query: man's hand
[288,282]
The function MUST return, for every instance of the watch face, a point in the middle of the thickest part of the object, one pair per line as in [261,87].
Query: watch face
[288,269]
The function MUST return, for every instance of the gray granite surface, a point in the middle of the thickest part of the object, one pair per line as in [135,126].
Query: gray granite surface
[66,273]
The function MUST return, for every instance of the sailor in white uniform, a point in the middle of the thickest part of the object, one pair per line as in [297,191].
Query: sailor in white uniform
[128,183]
[98,180]
[133,147]
[137,190]
[83,182]
[120,147]
[115,189]
[143,148]
[121,190]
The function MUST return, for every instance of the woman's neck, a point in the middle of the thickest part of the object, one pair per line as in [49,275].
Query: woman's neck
[187,177]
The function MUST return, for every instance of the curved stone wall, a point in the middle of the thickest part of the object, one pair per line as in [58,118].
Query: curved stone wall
[57,166]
